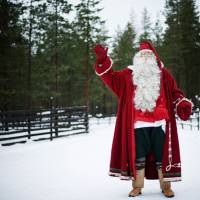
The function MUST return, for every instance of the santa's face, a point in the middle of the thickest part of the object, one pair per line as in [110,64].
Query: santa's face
[146,78]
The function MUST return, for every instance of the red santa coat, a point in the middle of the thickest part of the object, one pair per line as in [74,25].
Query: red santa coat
[122,162]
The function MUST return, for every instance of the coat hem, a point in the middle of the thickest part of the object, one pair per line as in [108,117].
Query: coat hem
[172,179]
[119,175]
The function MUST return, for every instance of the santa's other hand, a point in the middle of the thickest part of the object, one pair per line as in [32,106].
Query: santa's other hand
[184,109]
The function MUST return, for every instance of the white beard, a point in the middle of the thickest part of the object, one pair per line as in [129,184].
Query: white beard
[146,78]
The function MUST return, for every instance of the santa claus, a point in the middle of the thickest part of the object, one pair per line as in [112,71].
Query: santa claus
[145,142]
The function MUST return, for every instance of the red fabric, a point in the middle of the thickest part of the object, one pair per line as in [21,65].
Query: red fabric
[123,146]
[144,45]
[184,109]
[101,53]
[148,45]
[160,111]
[99,70]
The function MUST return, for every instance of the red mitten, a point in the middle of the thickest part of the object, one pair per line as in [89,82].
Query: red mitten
[184,109]
[101,53]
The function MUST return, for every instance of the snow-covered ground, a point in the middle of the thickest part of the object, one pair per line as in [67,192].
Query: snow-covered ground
[76,168]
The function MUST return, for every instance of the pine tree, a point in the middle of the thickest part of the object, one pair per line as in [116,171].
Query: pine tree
[181,46]
[13,68]
[32,9]
[171,48]
[123,50]
[157,34]
[87,26]
[58,25]
[190,46]
[52,25]
[101,98]
[146,26]
[124,47]
[71,76]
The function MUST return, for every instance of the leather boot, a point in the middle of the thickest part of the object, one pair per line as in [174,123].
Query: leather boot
[165,186]
[137,184]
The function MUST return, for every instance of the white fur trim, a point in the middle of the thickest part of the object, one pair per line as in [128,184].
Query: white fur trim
[100,74]
[146,77]
[127,178]
[142,124]
[170,158]
[172,179]
[177,165]
[162,65]
[131,67]
[177,100]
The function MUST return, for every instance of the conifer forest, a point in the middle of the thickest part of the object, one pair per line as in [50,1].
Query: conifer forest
[46,51]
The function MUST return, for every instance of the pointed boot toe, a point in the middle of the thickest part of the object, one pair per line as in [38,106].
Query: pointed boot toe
[135,192]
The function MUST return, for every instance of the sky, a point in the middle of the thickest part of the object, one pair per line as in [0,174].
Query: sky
[127,10]
[119,12]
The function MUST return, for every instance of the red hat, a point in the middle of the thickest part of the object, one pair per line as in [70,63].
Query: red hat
[148,45]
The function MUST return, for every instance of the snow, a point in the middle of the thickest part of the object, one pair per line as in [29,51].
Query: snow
[76,168]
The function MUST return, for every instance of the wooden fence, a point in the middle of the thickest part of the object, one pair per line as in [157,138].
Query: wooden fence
[193,122]
[19,126]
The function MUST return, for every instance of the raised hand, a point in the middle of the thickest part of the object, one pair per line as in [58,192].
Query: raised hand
[101,53]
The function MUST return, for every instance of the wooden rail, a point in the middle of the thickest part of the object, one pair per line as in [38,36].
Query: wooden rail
[192,122]
[19,126]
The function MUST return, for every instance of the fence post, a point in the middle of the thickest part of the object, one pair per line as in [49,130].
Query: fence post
[69,118]
[29,124]
[86,120]
[40,119]
[198,118]
[51,117]
[109,119]
[182,125]
[56,122]
[6,122]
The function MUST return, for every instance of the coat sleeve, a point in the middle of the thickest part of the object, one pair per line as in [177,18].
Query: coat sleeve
[177,93]
[113,79]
